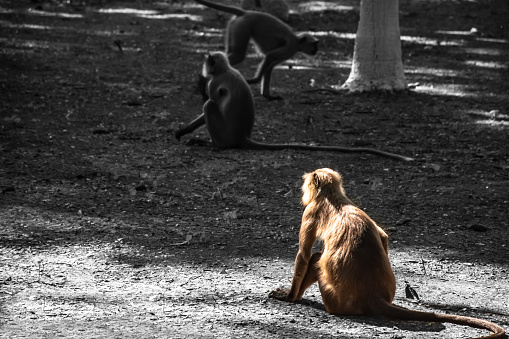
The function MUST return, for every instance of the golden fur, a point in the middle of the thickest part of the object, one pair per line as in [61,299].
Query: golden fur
[353,270]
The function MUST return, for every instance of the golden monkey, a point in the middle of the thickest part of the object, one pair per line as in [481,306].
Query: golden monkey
[353,271]
[274,39]
[229,113]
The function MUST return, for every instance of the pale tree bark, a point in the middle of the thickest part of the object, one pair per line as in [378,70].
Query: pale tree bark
[377,61]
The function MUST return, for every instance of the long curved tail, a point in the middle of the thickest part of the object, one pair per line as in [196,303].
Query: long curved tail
[396,312]
[224,8]
[277,147]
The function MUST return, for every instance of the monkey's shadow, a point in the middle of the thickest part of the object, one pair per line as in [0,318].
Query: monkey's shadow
[381,321]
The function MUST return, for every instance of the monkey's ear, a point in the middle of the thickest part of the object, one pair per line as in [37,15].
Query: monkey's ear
[321,179]
[316,180]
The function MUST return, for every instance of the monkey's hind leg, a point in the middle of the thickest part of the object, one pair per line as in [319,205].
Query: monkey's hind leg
[335,302]
[237,39]
[384,238]
[265,86]
[218,127]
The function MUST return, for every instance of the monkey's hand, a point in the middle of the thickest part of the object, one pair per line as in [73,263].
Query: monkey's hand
[179,134]
[273,97]
[280,294]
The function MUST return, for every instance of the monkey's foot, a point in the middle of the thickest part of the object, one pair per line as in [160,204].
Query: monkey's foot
[280,294]
[198,142]
[253,80]
[272,97]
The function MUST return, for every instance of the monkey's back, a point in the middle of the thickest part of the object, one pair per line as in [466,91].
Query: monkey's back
[235,101]
[266,31]
[354,264]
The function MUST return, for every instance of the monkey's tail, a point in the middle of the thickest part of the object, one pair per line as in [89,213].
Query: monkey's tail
[277,147]
[396,312]
[224,8]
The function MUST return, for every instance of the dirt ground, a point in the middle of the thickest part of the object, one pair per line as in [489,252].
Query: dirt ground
[111,228]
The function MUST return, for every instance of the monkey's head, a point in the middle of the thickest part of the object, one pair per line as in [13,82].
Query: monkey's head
[322,180]
[308,44]
[215,63]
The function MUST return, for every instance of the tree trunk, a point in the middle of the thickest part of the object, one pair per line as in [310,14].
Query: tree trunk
[377,61]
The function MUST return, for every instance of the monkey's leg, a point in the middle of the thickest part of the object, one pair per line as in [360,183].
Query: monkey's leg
[384,238]
[265,87]
[237,39]
[219,129]
[336,302]
[266,66]
[330,299]
[235,57]
[200,121]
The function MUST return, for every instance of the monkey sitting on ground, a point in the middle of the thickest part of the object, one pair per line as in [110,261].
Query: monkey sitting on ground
[274,39]
[353,271]
[229,113]
[277,8]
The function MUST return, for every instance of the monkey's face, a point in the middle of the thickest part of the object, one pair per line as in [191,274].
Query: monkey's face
[308,44]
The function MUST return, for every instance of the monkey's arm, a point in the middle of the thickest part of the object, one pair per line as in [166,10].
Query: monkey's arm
[264,71]
[202,85]
[271,59]
[200,121]
[307,238]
